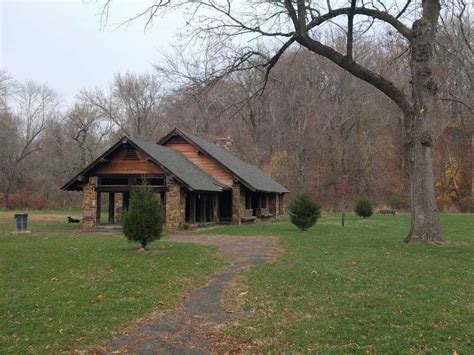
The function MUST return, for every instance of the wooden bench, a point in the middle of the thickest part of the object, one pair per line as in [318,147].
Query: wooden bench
[263,213]
[248,216]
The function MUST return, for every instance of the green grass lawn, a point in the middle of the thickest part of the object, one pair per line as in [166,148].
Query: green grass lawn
[352,289]
[360,289]
[61,290]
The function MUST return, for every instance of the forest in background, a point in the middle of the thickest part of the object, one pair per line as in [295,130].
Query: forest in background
[314,128]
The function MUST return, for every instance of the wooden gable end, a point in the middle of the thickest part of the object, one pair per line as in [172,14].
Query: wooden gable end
[127,160]
[203,161]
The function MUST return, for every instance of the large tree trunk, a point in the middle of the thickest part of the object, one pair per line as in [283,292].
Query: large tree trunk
[418,124]
[424,213]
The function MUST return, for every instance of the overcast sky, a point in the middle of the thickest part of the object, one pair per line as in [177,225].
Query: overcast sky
[60,42]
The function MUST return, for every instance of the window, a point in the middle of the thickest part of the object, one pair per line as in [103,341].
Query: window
[109,181]
[130,154]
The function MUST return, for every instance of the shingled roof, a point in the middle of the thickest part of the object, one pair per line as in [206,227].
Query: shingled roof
[248,174]
[168,159]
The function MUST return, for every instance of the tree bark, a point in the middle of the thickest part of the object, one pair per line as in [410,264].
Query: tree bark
[424,212]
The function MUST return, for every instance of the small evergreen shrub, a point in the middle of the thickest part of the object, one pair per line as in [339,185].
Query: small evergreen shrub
[143,222]
[364,208]
[304,212]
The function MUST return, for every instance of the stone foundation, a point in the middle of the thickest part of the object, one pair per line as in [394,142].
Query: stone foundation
[175,205]
[89,201]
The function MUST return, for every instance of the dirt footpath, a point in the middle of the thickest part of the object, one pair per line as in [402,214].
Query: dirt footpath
[189,328]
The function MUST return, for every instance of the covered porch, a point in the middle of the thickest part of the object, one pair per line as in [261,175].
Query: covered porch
[208,207]
[259,205]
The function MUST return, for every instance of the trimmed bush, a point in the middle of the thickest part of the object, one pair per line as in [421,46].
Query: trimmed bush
[143,222]
[304,212]
[364,208]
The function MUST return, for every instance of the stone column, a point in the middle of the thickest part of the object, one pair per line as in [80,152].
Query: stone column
[236,204]
[89,204]
[175,205]
[118,207]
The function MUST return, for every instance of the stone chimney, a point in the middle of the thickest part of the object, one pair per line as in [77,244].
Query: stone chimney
[227,143]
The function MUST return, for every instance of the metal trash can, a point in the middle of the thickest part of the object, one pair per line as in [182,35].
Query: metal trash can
[21,222]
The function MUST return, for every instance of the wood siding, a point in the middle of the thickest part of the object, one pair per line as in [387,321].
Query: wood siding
[206,163]
[117,165]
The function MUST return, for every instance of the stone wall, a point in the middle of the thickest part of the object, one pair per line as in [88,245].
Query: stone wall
[237,204]
[88,205]
[175,205]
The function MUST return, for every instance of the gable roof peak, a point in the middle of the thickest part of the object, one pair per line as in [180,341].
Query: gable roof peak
[248,174]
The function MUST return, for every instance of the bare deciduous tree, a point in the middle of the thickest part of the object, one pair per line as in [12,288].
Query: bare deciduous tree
[302,22]
[87,130]
[131,103]
[21,133]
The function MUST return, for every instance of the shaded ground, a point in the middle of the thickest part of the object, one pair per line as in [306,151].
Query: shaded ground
[189,328]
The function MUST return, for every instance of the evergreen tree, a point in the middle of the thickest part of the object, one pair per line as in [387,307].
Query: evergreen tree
[364,208]
[143,222]
[304,212]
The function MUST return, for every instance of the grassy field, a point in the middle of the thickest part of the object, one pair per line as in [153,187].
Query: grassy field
[360,289]
[61,290]
[353,289]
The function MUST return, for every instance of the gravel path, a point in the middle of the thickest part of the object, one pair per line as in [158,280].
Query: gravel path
[187,329]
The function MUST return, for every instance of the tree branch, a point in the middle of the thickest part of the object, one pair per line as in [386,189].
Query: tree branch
[381,83]
[379,15]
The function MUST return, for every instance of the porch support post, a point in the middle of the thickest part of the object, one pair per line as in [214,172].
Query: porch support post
[89,204]
[175,204]
[111,207]
[236,205]
[119,200]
